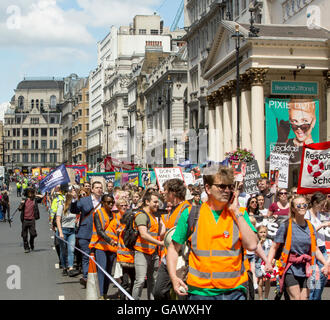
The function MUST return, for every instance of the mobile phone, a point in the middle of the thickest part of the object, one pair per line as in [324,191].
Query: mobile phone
[232,197]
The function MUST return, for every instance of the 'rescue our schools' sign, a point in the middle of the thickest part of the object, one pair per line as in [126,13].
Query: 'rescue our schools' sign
[315,168]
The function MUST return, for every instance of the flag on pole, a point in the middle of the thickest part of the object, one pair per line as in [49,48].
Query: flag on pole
[57,177]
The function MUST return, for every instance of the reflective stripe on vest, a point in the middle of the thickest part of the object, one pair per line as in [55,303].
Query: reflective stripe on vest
[216,257]
[109,228]
[124,254]
[143,245]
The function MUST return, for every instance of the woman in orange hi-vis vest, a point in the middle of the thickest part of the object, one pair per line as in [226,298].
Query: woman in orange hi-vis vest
[298,255]
[104,242]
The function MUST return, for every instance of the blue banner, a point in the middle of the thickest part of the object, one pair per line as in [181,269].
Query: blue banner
[57,177]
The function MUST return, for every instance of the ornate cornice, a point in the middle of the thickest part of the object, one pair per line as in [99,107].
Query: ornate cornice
[211,101]
[226,93]
[245,82]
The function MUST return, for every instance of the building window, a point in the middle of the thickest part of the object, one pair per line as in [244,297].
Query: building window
[55,132]
[25,157]
[50,144]
[53,102]
[51,132]
[25,132]
[36,157]
[21,102]
[25,144]
[43,157]
[41,103]
[52,119]
[37,103]
[55,144]
[37,132]
[44,132]
[142,31]
[153,31]
[43,144]
[18,158]
[32,144]
[37,144]
[34,120]
[32,104]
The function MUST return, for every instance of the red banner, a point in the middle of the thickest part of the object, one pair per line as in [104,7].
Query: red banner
[115,165]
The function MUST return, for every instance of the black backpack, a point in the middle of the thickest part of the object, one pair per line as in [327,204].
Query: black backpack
[130,234]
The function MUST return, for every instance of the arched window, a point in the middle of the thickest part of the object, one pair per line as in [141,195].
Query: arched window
[37,103]
[21,102]
[53,102]
[32,104]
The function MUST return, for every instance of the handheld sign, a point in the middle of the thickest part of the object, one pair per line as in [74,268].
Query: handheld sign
[164,174]
[315,168]
[251,178]
[279,165]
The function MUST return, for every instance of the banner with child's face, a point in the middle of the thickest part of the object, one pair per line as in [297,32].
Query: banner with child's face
[289,124]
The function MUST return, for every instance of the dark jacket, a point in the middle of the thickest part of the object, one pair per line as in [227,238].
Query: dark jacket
[85,207]
[36,209]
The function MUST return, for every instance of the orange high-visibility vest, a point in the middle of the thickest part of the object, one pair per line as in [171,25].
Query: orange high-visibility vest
[124,254]
[216,255]
[143,245]
[282,262]
[171,220]
[109,227]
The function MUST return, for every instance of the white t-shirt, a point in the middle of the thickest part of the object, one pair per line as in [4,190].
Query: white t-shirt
[316,222]
[264,212]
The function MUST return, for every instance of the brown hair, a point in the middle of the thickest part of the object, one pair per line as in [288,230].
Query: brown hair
[177,186]
[224,173]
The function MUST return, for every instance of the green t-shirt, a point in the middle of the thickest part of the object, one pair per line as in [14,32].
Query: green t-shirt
[180,236]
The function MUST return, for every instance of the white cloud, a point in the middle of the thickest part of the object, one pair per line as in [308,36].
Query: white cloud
[43,23]
[101,13]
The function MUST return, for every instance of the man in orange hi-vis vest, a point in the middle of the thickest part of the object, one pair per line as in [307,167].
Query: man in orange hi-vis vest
[175,193]
[151,230]
[218,239]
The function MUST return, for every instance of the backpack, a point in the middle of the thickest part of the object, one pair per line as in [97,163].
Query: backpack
[130,233]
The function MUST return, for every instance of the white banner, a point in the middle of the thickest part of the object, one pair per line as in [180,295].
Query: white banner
[279,164]
[164,174]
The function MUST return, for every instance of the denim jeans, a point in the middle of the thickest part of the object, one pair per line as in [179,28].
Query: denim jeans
[67,249]
[145,265]
[105,259]
[230,295]
[317,286]
[84,246]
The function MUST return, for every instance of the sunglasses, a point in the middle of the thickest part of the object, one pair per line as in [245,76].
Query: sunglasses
[83,194]
[302,206]
[224,186]
[108,202]
[253,202]
[303,127]
[282,193]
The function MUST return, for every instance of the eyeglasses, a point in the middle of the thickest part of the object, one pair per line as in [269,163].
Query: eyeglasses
[224,186]
[302,206]
[303,127]
[83,194]
[253,202]
[282,193]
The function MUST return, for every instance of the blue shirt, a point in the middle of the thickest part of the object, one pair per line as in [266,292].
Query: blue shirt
[300,244]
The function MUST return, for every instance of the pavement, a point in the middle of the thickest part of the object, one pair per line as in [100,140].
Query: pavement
[36,275]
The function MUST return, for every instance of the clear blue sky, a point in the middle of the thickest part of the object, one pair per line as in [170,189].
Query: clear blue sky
[58,37]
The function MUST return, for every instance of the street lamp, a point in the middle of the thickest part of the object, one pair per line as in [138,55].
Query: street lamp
[169,85]
[107,124]
[237,37]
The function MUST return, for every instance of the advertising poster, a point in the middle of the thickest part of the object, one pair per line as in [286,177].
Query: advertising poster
[291,123]
[45,171]
[36,172]
[279,169]
[315,169]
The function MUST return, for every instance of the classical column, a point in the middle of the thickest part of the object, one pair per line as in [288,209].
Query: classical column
[327,77]
[232,86]
[245,115]
[257,78]
[212,125]
[227,121]
[219,125]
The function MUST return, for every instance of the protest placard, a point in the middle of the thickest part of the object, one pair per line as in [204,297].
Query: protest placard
[279,163]
[252,175]
[164,174]
[188,178]
[315,168]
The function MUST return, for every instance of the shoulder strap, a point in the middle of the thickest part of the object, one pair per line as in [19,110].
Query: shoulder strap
[192,219]
[142,211]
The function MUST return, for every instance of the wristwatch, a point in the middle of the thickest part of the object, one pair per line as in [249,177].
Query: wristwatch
[239,215]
